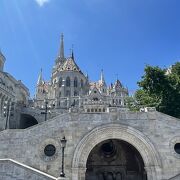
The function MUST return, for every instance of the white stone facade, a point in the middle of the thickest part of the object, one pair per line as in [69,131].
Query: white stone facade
[13,94]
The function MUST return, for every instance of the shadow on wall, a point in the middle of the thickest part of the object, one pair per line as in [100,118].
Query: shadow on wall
[27,121]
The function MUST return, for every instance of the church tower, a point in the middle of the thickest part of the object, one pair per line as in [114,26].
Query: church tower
[61,58]
[102,84]
[2,61]
[40,90]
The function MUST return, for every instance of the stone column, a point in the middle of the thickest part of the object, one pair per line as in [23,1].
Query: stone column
[78,173]
[153,172]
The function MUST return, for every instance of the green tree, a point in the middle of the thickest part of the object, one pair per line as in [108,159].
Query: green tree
[160,88]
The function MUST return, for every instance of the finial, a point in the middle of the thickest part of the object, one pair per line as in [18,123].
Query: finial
[61,53]
[87,75]
[40,79]
[72,53]
[62,36]
[117,77]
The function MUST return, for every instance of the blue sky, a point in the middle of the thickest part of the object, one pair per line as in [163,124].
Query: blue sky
[119,36]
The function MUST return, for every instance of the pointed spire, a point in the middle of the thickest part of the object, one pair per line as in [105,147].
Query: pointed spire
[61,53]
[102,76]
[40,79]
[72,54]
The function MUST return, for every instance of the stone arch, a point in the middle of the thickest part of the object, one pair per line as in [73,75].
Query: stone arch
[26,121]
[128,134]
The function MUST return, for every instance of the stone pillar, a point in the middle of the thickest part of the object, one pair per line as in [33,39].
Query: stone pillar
[78,173]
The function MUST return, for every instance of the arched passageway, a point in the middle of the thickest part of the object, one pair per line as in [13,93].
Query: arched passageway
[27,121]
[115,159]
[129,139]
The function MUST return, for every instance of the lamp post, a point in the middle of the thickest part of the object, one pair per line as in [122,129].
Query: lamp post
[63,145]
[46,109]
[7,107]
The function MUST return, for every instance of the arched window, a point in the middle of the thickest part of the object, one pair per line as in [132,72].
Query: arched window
[75,82]
[68,93]
[68,82]
[82,83]
[76,93]
[60,82]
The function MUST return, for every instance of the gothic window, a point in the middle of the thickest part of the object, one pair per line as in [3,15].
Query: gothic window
[75,82]
[75,93]
[82,83]
[68,82]
[60,82]
[113,101]
[67,93]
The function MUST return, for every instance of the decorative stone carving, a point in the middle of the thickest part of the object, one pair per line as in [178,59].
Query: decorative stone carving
[47,142]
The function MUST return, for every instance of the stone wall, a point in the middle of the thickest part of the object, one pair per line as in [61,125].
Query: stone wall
[12,170]
[155,130]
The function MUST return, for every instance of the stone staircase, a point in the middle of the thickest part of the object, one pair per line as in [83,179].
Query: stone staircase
[177,177]
[13,170]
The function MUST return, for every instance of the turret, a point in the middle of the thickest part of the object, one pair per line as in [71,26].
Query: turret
[40,79]
[60,59]
[102,83]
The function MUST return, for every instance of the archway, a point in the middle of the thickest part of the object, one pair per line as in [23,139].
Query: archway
[115,159]
[27,121]
[152,162]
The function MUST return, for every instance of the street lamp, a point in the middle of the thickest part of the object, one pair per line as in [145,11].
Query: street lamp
[63,145]
[46,109]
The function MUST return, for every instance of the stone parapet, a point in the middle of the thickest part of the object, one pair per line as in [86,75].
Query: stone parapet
[13,170]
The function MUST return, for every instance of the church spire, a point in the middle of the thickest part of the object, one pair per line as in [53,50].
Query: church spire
[40,79]
[102,77]
[61,53]
[72,54]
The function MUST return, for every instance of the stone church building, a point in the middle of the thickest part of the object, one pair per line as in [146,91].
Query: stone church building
[75,129]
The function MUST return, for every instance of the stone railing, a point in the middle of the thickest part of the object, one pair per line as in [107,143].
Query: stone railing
[177,177]
[13,170]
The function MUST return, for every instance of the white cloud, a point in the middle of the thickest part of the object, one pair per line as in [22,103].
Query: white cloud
[42,2]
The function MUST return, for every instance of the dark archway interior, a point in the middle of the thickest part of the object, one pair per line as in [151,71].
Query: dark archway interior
[27,121]
[115,160]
